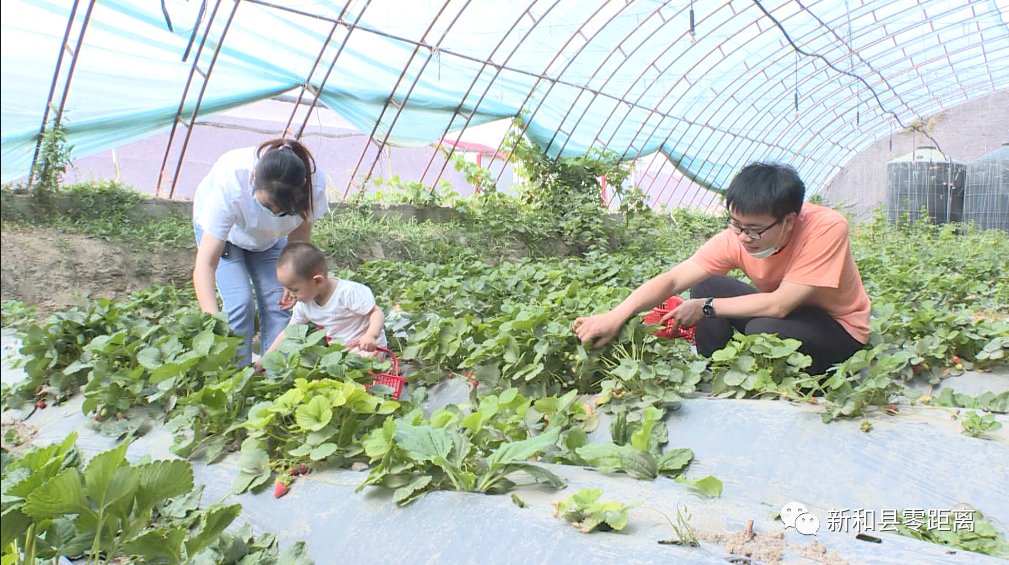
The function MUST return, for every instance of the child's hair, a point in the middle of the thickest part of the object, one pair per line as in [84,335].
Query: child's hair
[285,173]
[304,258]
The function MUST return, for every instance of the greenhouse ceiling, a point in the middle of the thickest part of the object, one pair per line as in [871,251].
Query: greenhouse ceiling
[710,84]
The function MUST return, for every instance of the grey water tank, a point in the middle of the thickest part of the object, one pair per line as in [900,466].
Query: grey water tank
[924,179]
[986,195]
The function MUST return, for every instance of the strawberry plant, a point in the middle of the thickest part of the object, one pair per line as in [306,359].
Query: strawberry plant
[983,537]
[312,421]
[976,425]
[869,378]
[636,448]
[585,512]
[988,401]
[414,456]
[758,366]
[113,511]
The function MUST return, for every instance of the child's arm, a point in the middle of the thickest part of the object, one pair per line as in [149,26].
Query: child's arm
[376,320]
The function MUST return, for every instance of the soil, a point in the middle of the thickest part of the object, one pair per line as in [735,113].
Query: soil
[770,548]
[25,433]
[54,271]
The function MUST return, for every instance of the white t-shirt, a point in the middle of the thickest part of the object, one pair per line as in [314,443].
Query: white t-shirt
[344,315]
[225,208]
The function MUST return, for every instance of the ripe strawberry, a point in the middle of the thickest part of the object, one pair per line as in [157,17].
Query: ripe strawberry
[302,469]
[892,409]
[40,405]
[956,359]
[294,472]
[279,489]
[98,418]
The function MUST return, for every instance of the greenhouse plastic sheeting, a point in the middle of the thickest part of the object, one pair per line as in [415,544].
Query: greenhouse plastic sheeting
[766,453]
[626,76]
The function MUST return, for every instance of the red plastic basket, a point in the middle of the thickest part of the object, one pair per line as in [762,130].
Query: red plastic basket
[655,317]
[391,380]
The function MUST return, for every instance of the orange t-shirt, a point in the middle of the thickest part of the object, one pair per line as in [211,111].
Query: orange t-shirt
[818,255]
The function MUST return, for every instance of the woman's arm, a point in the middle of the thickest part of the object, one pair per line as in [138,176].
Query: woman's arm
[204,273]
[301,233]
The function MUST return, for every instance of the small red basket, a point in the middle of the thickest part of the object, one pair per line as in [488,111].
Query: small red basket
[391,380]
[655,317]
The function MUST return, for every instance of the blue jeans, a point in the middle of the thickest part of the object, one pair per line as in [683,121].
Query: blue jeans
[246,279]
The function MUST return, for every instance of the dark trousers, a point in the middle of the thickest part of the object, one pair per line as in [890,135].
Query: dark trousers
[823,339]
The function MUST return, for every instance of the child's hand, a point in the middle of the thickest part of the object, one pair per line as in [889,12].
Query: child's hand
[368,343]
[259,366]
[287,301]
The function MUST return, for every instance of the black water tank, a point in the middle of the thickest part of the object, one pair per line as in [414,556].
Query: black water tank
[986,196]
[925,179]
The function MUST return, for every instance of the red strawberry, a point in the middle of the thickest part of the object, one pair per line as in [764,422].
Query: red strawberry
[40,405]
[121,416]
[302,469]
[98,418]
[279,489]
[956,359]
[294,472]
[892,409]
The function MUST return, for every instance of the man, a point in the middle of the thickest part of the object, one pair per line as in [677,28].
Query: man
[798,257]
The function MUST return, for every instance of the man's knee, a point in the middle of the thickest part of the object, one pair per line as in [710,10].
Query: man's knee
[764,326]
[704,288]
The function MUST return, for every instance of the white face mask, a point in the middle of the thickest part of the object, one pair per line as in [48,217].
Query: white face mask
[769,251]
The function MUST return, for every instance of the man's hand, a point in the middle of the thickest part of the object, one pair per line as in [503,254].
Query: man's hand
[686,315]
[368,343]
[287,301]
[600,328]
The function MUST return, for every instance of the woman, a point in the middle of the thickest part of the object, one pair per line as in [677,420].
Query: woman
[244,212]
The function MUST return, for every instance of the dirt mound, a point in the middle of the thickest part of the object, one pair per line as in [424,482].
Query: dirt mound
[53,270]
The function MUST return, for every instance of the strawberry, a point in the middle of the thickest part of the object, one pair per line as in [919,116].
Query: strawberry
[956,359]
[120,416]
[302,469]
[892,409]
[279,489]
[294,472]
[40,405]
[98,418]
[959,366]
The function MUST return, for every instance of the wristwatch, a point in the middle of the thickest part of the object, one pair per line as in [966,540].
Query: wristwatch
[708,309]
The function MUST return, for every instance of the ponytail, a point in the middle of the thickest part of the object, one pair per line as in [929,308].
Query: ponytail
[285,172]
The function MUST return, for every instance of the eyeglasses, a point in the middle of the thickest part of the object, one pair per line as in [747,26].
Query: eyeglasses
[750,232]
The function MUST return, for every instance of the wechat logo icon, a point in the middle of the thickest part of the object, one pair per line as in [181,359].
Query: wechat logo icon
[797,515]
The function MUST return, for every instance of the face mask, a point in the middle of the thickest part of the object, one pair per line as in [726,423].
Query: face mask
[769,251]
[266,209]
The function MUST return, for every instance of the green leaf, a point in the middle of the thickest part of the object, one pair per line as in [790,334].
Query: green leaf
[675,460]
[161,480]
[101,469]
[323,451]
[422,443]
[118,496]
[603,456]
[518,501]
[541,474]
[295,554]
[404,495]
[709,486]
[203,342]
[213,523]
[274,362]
[638,464]
[315,415]
[13,524]
[149,357]
[62,494]
[524,449]
[157,545]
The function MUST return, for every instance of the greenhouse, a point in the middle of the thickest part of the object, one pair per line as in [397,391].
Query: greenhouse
[471,282]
